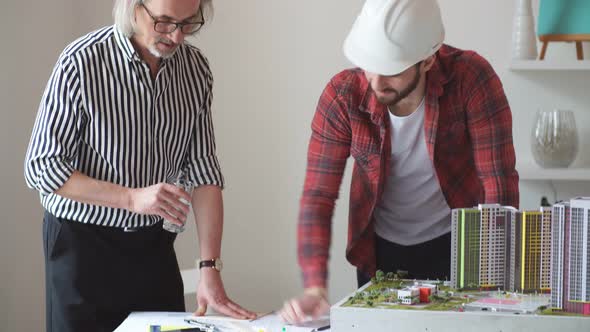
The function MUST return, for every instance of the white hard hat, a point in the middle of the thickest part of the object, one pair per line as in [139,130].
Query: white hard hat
[389,36]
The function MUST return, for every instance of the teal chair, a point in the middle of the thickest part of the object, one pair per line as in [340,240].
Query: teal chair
[564,21]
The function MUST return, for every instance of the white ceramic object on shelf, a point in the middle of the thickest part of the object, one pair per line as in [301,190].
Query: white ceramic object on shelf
[524,40]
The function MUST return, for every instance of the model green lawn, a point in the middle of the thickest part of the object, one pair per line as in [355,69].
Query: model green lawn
[382,294]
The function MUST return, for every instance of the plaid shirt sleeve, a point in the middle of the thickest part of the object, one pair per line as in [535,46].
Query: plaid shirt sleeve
[328,150]
[489,122]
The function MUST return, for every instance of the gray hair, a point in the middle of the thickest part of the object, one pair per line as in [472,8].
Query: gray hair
[124,14]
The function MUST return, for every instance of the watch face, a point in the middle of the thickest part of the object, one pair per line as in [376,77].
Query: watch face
[218,264]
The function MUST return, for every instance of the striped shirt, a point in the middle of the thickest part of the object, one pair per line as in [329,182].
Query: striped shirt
[102,115]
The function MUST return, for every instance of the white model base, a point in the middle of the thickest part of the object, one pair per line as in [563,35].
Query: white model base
[354,319]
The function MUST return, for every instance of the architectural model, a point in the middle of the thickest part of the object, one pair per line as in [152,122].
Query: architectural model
[542,251]
[511,270]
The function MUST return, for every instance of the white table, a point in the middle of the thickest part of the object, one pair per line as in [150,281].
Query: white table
[140,321]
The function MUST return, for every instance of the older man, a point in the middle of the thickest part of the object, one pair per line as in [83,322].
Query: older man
[126,109]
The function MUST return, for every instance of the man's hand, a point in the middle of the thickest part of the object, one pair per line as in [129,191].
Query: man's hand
[162,199]
[210,292]
[312,303]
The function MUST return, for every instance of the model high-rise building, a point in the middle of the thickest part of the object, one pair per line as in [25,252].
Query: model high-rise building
[480,245]
[570,256]
[494,222]
[465,248]
[579,256]
[530,252]
[544,250]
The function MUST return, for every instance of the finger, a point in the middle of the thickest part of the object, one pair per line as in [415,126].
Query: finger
[170,197]
[177,209]
[182,194]
[166,215]
[178,193]
[172,211]
[176,215]
[201,307]
[300,315]
[226,310]
[236,307]
[287,313]
[294,318]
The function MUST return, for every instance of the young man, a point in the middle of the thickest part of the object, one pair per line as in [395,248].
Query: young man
[126,109]
[429,128]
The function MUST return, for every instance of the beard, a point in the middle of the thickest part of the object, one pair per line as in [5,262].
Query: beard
[400,95]
[159,54]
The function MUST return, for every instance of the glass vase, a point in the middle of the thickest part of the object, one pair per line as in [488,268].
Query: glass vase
[554,138]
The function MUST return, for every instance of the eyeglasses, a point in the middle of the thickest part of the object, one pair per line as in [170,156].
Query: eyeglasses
[186,28]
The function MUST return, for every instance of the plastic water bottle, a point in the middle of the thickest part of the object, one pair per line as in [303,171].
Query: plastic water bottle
[183,183]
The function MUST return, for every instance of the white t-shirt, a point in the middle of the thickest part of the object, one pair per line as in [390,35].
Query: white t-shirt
[413,208]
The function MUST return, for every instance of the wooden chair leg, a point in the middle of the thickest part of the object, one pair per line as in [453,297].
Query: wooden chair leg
[580,50]
[543,50]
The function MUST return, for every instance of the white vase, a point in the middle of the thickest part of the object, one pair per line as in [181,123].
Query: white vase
[524,40]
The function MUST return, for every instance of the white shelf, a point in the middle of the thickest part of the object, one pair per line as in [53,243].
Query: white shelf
[521,65]
[534,172]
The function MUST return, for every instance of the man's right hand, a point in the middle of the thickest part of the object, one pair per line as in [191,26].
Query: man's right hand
[162,199]
[312,303]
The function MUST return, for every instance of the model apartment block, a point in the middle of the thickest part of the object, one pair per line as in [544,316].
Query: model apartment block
[541,251]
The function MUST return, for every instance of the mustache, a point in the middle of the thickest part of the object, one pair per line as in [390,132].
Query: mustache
[386,90]
[390,90]
[165,41]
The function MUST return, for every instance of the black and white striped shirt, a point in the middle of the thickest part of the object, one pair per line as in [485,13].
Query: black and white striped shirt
[103,115]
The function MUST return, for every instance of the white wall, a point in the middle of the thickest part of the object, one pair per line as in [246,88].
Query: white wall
[32,33]
[486,26]
[271,60]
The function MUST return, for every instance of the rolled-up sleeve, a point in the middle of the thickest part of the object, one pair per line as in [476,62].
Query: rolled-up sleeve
[55,137]
[201,164]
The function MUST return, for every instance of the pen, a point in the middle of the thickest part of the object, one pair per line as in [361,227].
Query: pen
[321,328]
[203,326]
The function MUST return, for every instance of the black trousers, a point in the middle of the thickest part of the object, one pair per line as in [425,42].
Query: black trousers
[95,275]
[427,260]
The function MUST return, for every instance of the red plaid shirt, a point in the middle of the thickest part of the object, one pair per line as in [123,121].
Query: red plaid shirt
[468,131]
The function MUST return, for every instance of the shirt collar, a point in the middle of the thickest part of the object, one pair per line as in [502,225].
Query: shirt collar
[126,46]
[437,77]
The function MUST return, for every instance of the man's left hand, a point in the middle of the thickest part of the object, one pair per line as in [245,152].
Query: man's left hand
[211,292]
